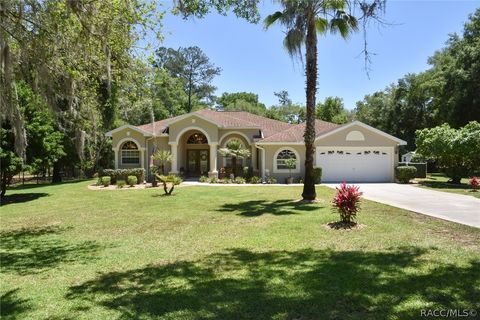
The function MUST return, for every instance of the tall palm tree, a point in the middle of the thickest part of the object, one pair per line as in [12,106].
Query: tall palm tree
[303,19]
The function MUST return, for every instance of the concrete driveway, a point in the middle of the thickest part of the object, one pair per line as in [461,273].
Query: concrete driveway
[449,206]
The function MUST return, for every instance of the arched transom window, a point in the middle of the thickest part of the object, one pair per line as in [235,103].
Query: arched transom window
[283,155]
[197,138]
[130,153]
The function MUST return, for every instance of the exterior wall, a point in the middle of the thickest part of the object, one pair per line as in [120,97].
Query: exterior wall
[161,143]
[372,139]
[270,161]
[176,129]
[242,135]
[118,138]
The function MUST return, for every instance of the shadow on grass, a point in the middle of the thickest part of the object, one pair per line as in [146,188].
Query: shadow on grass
[445,185]
[29,186]
[11,305]
[254,208]
[21,197]
[33,250]
[304,284]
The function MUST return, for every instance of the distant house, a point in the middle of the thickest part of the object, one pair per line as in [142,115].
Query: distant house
[352,152]
[407,157]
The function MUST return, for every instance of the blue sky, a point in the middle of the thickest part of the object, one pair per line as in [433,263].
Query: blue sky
[253,59]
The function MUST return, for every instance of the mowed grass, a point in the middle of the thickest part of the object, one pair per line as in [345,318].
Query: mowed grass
[438,181]
[225,253]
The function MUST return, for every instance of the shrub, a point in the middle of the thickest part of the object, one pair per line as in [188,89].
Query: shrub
[132,180]
[169,181]
[214,180]
[106,180]
[475,183]
[120,184]
[225,181]
[405,174]
[347,202]
[271,180]
[317,174]
[300,179]
[255,180]
[99,181]
[239,180]
[203,179]
[122,174]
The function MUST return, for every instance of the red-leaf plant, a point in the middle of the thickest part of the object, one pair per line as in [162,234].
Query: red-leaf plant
[475,183]
[347,202]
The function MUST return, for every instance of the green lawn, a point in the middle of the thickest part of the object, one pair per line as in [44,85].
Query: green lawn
[225,253]
[438,181]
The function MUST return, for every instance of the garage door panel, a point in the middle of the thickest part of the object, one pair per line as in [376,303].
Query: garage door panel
[355,165]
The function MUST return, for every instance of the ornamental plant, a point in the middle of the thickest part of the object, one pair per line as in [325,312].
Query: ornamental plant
[169,181]
[132,180]
[347,202]
[475,183]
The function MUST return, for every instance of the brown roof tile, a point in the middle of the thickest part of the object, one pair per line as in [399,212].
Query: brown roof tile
[295,133]
[273,130]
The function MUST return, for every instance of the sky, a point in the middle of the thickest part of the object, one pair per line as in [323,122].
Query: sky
[253,59]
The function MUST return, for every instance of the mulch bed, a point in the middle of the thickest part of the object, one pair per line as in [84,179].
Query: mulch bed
[340,225]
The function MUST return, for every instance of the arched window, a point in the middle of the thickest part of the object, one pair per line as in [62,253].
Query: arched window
[130,153]
[283,155]
[197,138]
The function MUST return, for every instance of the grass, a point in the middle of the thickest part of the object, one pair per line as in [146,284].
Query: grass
[438,181]
[225,253]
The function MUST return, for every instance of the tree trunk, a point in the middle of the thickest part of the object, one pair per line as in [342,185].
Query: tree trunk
[56,176]
[3,186]
[309,135]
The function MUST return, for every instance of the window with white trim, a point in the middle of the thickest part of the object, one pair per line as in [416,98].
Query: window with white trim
[284,155]
[130,153]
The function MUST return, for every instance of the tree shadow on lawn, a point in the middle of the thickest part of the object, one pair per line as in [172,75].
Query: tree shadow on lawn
[33,250]
[11,305]
[445,185]
[254,208]
[21,197]
[303,284]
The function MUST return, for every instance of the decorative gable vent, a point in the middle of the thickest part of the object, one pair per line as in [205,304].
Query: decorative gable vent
[355,136]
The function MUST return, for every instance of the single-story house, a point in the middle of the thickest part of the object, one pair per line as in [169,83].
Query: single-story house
[353,152]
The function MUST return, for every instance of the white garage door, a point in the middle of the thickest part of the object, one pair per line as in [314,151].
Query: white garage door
[359,164]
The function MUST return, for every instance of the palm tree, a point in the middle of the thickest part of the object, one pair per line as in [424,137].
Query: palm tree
[303,19]
[163,157]
[235,150]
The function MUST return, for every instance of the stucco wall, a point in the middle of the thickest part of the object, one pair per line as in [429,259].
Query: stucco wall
[372,139]
[120,137]
[271,150]
[193,122]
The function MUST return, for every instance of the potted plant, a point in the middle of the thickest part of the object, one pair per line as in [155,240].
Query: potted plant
[290,163]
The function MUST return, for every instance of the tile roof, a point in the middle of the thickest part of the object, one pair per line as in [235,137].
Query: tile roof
[295,133]
[273,130]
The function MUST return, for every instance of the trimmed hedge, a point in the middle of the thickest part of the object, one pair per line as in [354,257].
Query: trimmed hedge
[421,168]
[132,180]
[405,174]
[122,174]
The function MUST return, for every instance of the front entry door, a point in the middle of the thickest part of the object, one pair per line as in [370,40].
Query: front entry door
[197,162]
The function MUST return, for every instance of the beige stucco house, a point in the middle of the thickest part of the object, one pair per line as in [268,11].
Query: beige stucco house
[353,152]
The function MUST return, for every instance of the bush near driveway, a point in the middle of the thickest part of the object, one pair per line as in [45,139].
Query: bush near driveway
[405,174]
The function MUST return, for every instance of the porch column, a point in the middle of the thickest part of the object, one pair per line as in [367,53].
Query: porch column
[213,160]
[253,157]
[174,147]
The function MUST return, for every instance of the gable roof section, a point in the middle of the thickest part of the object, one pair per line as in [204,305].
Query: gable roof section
[294,134]
[146,133]
[225,120]
[366,126]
